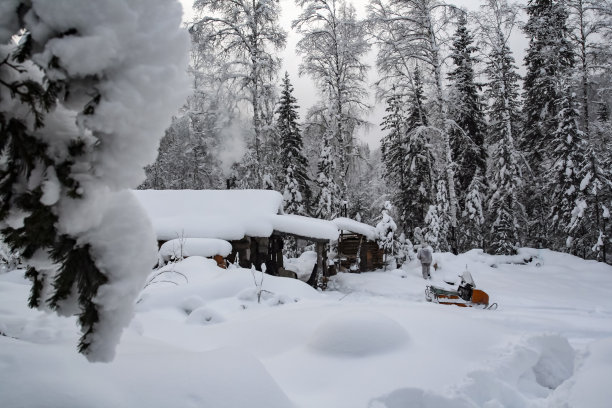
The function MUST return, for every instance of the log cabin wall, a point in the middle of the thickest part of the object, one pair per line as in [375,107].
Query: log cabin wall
[371,256]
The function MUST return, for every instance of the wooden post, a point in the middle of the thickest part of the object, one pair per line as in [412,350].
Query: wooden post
[319,247]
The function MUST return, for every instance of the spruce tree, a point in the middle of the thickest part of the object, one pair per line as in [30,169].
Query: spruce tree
[473,214]
[505,213]
[292,159]
[566,175]
[393,149]
[419,161]
[466,110]
[549,58]
[408,156]
[68,154]
[437,220]
[504,207]
[588,225]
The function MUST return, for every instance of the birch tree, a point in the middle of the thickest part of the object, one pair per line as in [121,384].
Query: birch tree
[332,45]
[248,32]
[586,21]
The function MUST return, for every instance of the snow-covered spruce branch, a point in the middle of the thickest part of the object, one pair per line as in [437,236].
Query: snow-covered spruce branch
[77,136]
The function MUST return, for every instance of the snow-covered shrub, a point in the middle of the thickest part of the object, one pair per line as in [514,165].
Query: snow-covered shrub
[87,89]
[385,231]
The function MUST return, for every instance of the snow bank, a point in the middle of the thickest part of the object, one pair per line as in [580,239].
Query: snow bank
[357,227]
[416,397]
[196,281]
[358,334]
[184,247]
[155,378]
[371,340]
[526,376]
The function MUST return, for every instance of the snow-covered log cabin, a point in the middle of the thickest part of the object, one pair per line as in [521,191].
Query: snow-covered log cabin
[244,226]
[357,247]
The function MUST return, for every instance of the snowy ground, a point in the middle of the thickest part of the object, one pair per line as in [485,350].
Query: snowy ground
[372,341]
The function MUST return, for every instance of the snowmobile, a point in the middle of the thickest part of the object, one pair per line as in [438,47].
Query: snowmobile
[466,294]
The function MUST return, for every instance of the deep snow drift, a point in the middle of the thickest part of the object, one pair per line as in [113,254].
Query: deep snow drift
[201,339]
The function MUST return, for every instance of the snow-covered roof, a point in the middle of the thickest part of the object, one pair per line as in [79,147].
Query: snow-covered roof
[226,214]
[223,214]
[305,227]
[346,224]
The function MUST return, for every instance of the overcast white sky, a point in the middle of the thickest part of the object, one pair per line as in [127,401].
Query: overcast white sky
[305,91]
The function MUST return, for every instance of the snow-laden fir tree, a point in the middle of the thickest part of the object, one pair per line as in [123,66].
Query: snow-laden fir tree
[565,177]
[417,162]
[589,221]
[385,232]
[504,207]
[549,57]
[75,136]
[393,149]
[498,20]
[505,212]
[472,234]
[292,159]
[466,111]
[437,220]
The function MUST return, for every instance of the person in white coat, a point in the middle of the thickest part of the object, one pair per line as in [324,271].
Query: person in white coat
[425,255]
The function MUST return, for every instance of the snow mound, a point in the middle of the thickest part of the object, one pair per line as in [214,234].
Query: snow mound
[183,247]
[302,265]
[191,303]
[184,284]
[205,315]
[357,334]
[266,297]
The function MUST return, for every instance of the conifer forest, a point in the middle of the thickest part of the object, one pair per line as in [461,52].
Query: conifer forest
[478,149]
